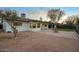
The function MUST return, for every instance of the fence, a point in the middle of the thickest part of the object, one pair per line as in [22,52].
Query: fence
[77,28]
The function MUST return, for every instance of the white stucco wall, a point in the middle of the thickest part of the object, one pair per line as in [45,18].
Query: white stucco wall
[6,27]
[35,29]
[24,27]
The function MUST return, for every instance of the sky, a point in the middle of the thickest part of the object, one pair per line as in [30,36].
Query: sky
[37,12]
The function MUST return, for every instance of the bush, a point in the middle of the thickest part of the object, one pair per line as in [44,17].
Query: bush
[65,26]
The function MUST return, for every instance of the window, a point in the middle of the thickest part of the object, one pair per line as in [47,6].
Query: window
[34,26]
[38,25]
[45,25]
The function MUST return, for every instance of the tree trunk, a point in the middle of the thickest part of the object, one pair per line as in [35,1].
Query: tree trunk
[14,32]
[13,29]
[55,28]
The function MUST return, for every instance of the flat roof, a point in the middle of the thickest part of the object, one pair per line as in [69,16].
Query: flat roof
[31,20]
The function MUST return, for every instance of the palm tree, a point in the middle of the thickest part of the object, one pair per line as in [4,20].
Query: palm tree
[55,15]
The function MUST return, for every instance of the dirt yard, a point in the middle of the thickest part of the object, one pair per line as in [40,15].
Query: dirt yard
[37,42]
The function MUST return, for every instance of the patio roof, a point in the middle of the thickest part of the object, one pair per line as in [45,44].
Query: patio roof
[31,20]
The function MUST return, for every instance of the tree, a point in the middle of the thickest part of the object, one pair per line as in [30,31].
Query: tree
[77,21]
[69,20]
[10,16]
[1,15]
[55,15]
[77,24]
[74,19]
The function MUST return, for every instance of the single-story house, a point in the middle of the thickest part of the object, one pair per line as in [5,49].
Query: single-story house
[26,25]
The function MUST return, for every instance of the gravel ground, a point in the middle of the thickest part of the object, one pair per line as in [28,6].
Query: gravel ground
[37,42]
[63,34]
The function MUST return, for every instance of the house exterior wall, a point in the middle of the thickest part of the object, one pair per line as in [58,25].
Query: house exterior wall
[24,27]
[38,26]
[34,24]
[44,26]
[6,27]
[35,29]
